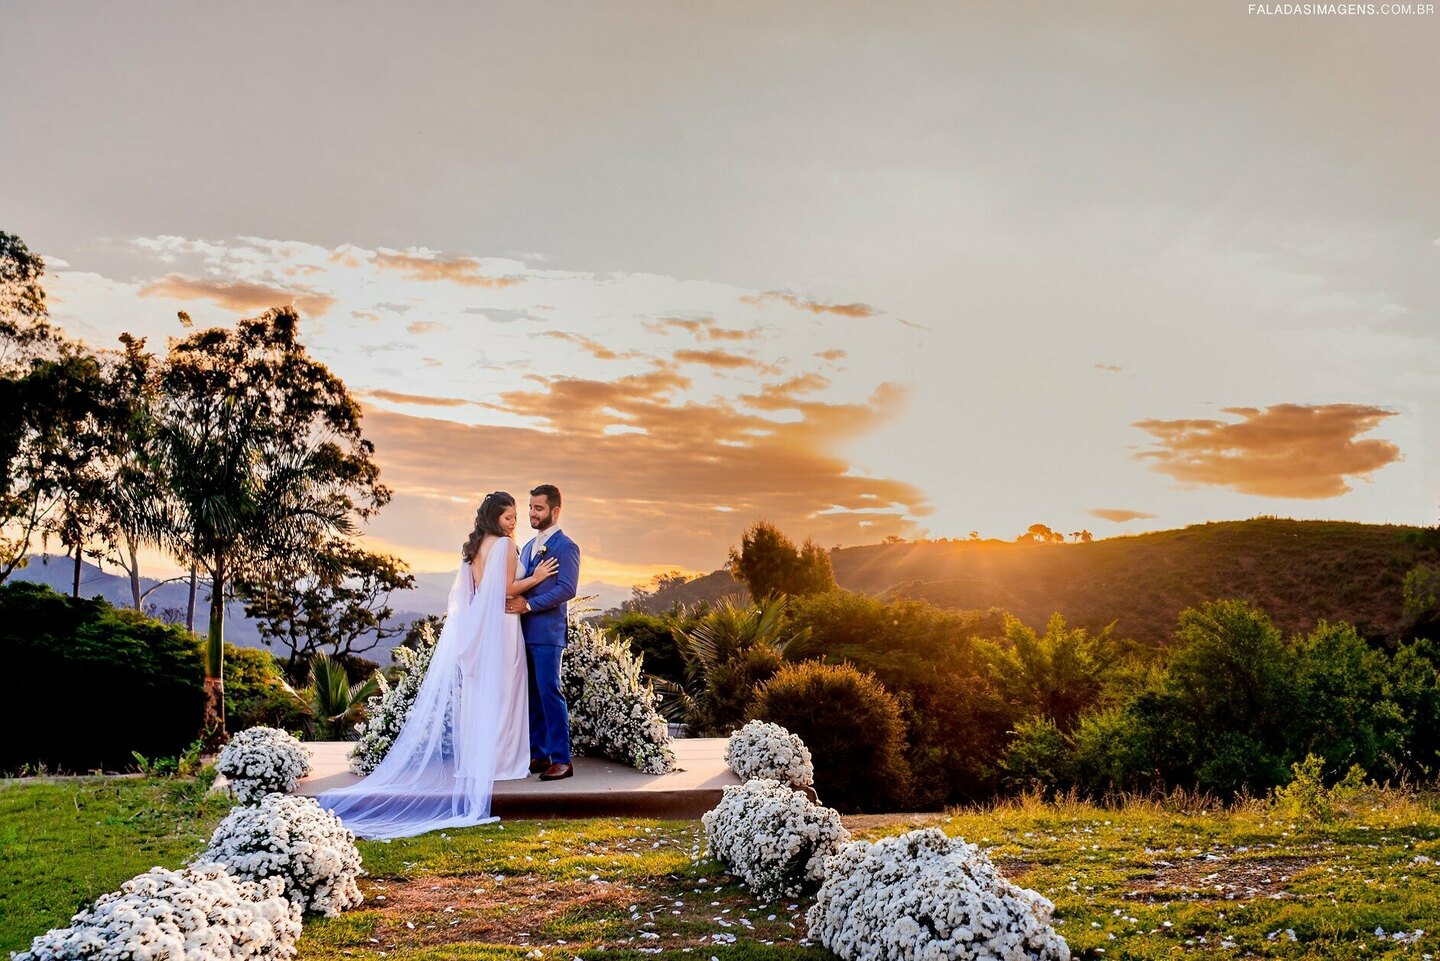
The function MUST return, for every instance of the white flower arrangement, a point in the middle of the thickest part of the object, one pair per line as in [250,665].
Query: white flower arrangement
[774,839]
[924,895]
[612,709]
[296,841]
[385,713]
[199,913]
[764,750]
[263,760]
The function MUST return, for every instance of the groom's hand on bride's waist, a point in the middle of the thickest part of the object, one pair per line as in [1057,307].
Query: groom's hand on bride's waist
[517,605]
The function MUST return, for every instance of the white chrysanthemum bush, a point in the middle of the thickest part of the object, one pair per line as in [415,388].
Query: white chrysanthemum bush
[385,713]
[924,895]
[764,750]
[202,912]
[297,841]
[612,709]
[773,838]
[262,760]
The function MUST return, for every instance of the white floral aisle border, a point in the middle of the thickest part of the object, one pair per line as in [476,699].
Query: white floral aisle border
[297,841]
[764,750]
[773,838]
[925,895]
[385,713]
[262,760]
[612,709]
[200,912]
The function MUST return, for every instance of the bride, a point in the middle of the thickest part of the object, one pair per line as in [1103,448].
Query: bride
[469,725]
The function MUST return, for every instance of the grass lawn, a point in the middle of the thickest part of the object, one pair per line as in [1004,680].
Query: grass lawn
[1136,882]
[64,842]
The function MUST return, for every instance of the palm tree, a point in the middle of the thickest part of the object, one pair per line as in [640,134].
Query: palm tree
[734,647]
[265,460]
[333,701]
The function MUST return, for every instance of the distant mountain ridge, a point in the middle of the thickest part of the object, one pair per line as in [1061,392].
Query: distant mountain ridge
[431,591]
[1297,571]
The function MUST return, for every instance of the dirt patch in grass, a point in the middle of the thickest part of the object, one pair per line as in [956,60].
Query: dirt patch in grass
[528,910]
[449,910]
[859,823]
[1223,880]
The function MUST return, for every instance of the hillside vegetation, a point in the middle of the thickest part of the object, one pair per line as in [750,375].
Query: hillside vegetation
[1297,571]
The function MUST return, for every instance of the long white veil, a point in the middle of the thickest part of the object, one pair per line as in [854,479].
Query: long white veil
[440,772]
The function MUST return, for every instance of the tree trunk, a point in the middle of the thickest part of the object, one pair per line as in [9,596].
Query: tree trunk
[75,591]
[215,662]
[134,572]
[190,610]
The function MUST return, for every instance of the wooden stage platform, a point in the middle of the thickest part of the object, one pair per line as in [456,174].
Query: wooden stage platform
[598,789]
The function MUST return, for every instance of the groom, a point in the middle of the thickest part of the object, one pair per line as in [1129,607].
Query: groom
[543,621]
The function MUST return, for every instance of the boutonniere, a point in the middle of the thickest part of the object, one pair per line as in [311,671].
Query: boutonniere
[542,550]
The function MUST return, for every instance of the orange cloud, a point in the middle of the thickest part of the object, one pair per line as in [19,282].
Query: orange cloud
[1119,515]
[418,327]
[1287,450]
[703,328]
[719,360]
[832,355]
[592,347]
[457,270]
[1112,368]
[678,490]
[814,306]
[240,296]
[420,399]
[782,396]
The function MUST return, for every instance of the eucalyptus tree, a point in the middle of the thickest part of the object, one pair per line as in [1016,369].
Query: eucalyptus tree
[265,460]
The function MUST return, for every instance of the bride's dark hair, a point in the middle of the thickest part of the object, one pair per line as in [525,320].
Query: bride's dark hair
[487,521]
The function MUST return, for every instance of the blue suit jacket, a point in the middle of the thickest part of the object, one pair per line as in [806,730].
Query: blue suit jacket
[544,625]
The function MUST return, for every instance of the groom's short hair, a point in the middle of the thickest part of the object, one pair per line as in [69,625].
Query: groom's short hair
[550,492]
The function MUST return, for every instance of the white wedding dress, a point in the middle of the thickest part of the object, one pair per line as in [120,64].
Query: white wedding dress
[469,725]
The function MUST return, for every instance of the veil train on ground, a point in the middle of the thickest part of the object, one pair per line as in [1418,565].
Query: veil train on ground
[440,772]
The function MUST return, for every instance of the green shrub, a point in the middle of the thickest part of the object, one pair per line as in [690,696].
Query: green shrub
[942,677]
[257,694]
[1344,710]
[1039,755]
[1415,688]
[94,684]
[730,690]
[852,726]
[727,652]
[1109,748]
[1227,721]
[652,638]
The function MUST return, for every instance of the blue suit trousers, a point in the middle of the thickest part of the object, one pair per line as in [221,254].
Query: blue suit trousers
[549,714]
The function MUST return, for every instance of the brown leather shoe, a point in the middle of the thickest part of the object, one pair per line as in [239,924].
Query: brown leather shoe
[543,764]
[557,771]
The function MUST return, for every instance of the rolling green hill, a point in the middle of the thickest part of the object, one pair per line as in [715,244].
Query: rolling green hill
[1297,571]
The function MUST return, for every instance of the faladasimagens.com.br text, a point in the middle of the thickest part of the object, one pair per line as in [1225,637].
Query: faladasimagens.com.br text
[1341,9]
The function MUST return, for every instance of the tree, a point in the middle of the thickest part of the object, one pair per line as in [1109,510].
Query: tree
[24,318]
[1055,676]
[27,345]
[1040,534]
[768,564]
[263,448]
[337,602]
[132,503]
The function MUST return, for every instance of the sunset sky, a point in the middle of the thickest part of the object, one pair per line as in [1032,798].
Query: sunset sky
[860,269]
